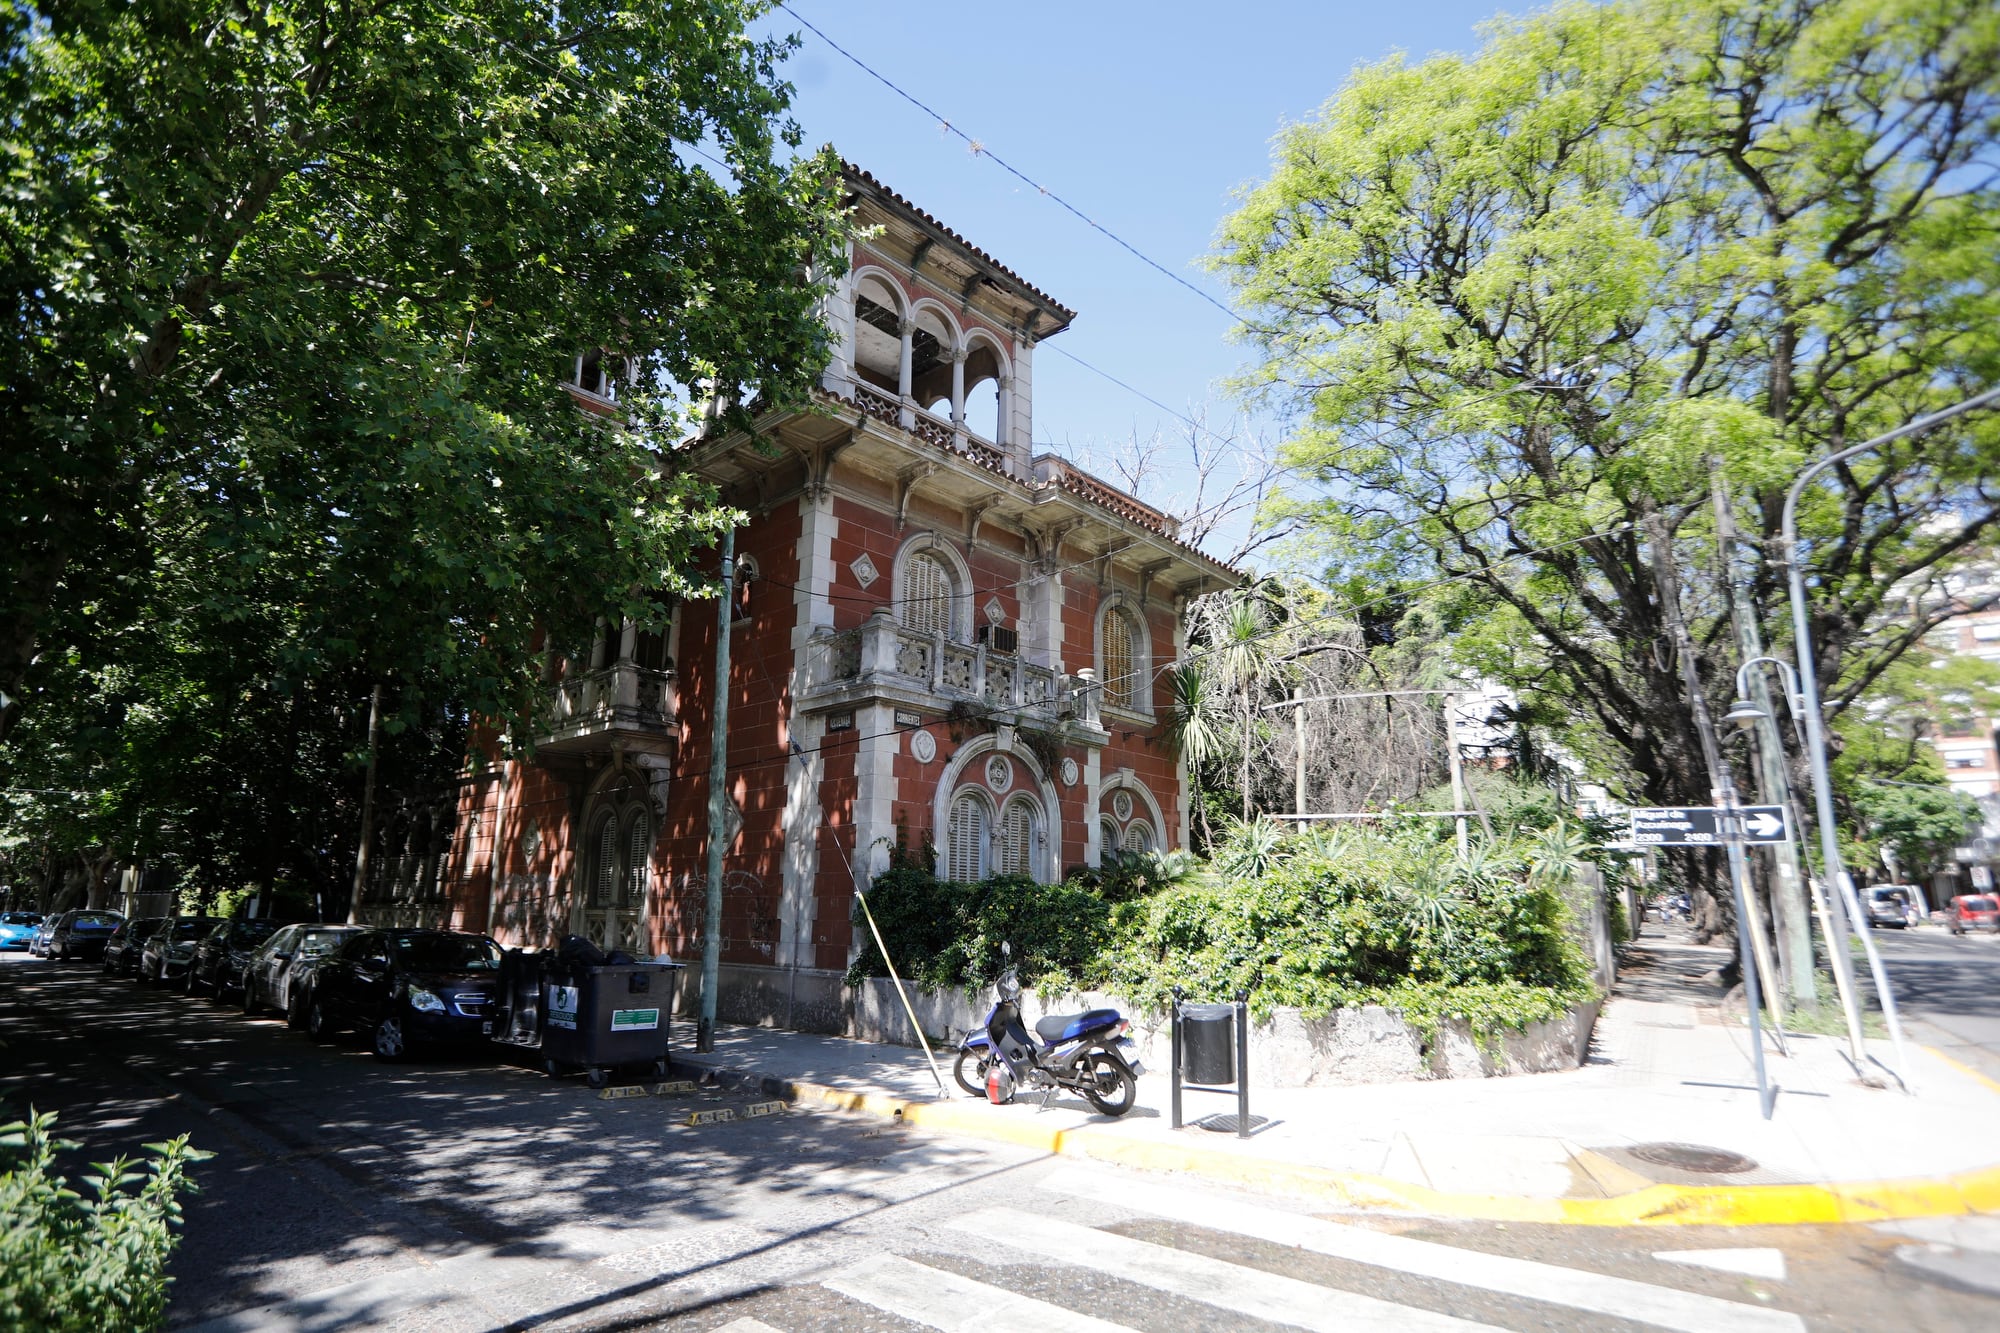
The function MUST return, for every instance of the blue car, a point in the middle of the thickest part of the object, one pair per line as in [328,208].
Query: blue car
[17,929]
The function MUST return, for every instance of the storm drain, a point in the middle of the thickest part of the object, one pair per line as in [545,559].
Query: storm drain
[1693,1157]
[1226,1124]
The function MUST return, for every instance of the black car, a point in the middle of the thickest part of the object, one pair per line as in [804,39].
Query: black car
[168,950]
[218,960]
[82,933]
[407,988]
[279,974]
[121,951]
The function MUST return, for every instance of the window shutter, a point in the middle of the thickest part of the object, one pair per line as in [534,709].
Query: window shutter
[604,874]
[638,838]
[927,595]
[1139,836]
[1107,837]
[1118,681]
[966,862]
[1014,850]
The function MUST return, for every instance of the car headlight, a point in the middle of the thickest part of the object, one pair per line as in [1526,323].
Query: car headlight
[425,1002]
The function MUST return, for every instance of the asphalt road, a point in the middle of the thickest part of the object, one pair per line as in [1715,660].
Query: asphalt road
[1948,991]
[468,1194]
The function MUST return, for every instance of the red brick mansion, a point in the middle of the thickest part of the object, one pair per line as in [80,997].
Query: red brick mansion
[943,640]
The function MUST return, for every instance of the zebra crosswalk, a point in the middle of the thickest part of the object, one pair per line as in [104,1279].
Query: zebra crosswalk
[933,1296]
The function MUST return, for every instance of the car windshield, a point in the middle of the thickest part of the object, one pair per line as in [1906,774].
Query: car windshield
[188,927]
[1980,905]
[250,932]
[317,942]
[20,919]
[96,920]
[447,953]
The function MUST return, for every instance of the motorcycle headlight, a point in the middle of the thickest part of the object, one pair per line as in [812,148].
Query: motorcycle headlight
[425,1002]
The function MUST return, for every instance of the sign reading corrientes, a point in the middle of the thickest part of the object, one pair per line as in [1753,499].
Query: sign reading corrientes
[1701,825]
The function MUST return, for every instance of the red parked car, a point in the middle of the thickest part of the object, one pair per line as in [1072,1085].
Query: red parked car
[1974,911]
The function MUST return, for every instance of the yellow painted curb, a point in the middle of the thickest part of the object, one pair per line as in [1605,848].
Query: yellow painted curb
[1655,1205]
[1964,1069]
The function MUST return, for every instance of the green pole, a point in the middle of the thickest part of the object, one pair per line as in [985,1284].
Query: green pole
[718,798]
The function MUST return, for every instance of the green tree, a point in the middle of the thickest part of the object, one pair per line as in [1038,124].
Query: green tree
[292,290]
[1526,305]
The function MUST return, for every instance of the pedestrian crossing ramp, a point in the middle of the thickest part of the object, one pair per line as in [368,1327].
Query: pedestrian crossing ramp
[935,1297]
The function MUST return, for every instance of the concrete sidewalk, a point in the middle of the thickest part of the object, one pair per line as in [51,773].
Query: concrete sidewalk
[1669,1069]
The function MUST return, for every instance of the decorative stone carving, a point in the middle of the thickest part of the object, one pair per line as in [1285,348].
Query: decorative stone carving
[1121,805]
[923,746]
[864,570]
[1069,771]
[999,773]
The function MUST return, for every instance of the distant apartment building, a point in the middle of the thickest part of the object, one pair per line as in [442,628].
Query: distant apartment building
[1965,738]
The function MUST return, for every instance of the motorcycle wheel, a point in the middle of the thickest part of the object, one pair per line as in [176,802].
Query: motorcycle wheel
[1108,1084]
[970,1072]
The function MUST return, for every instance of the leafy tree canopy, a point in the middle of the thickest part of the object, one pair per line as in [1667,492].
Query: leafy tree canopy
[1535,308]
[293,291]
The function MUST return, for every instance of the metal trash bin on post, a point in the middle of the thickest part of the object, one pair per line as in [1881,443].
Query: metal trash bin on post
[1211,1050]
[607,1016]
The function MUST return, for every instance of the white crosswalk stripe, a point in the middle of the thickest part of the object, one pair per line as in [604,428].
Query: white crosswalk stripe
[938,1299]
[1640,1302]
[1195,1277]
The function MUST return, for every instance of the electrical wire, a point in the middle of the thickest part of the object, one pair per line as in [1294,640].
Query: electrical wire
[980,149]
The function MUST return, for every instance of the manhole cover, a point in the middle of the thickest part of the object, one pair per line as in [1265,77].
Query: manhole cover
[1693,1157]
[1226,1124]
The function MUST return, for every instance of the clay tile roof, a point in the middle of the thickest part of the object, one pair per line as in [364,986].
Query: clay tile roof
[864,178]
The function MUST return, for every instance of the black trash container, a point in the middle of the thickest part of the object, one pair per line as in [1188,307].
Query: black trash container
[1208,1043]
[608,1016]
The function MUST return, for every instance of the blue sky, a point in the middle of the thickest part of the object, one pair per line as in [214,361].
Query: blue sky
[1145,117]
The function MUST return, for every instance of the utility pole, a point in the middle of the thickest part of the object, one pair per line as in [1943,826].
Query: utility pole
[367,809]
[1724,787]
[1793,924]
[1457,771]
[718,800]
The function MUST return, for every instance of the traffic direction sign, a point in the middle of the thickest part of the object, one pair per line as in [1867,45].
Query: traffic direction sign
[1701,825]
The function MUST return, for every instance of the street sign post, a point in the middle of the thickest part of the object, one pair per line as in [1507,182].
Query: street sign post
[1702,825]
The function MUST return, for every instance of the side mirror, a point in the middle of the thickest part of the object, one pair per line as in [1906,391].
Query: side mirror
[282,957]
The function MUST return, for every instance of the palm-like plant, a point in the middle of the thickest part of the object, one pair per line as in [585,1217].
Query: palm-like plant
[1238,654]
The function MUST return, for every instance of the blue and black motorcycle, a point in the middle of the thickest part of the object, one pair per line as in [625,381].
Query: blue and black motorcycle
[1086,1053]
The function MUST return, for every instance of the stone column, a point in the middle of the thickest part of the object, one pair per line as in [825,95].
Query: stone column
[958,388]
[803,774]
[906,330]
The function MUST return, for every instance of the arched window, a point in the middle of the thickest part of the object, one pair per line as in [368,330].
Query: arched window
[1014,847]
[1107,839]
[927,595]
[1122,661]
[1139,836]
[966,839]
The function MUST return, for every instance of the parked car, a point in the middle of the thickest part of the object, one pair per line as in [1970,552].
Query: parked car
[274,969]
[297,977]
[81,934]
[1890,905]
[1973,911]
[38,945]
[121,951]
[408,988]
[168,951]
[17,929]
[218,960]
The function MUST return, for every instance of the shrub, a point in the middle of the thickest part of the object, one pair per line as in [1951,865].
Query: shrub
[1362,917]
[89,1260]
[944,934]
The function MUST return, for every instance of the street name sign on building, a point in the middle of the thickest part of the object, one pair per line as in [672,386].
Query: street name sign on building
[1701,825]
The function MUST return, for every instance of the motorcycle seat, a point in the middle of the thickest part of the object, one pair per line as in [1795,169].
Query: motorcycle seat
[1062,1027]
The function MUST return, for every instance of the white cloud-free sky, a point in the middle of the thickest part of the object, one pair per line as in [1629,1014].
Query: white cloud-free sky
[1147,117]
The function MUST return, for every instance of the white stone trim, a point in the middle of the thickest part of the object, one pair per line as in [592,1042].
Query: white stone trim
[936,544]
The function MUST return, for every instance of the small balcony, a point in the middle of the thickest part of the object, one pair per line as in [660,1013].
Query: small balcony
[881,661]
[624,703]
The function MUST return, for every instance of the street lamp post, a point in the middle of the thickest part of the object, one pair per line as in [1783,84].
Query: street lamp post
[1840,890]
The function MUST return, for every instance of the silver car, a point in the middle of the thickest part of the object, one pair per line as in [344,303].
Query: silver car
[278,975]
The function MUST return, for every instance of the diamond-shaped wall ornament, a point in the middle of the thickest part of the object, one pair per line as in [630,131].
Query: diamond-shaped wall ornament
[864,569]
[995,613]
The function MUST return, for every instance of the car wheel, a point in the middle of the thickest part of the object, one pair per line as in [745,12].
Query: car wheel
[250,1005]
[390,1043]
[295,1010]
[319,1026]
[188,986]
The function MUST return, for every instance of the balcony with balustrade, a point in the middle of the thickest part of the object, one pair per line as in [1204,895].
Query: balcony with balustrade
[882,661]
[625,705]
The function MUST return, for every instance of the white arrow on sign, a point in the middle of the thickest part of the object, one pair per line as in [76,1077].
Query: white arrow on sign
[1764,824]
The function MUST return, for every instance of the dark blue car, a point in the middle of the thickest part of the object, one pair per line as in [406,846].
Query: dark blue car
[81,934]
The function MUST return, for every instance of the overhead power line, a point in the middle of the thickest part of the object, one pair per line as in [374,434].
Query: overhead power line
[980,149]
